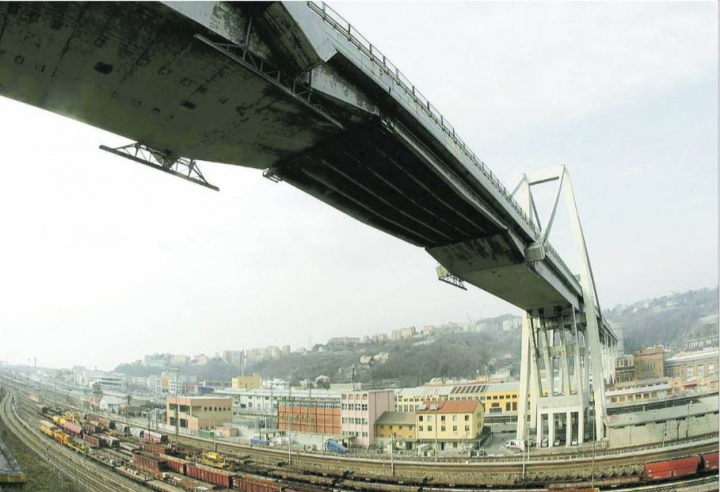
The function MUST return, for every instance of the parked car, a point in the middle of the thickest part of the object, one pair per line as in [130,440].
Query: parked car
[544,443]
[574,442]
[557,442]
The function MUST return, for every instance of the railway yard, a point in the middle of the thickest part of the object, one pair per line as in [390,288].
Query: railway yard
[100,454]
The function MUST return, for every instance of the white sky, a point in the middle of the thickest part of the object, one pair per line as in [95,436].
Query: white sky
[103,260]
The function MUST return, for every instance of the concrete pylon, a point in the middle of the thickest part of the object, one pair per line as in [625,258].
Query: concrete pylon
[568,352]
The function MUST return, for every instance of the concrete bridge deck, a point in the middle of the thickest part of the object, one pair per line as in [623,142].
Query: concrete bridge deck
[293,89]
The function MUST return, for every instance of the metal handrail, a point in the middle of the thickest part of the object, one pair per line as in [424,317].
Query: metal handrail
[374,54]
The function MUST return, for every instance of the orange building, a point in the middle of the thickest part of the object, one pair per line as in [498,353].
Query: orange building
[320,416]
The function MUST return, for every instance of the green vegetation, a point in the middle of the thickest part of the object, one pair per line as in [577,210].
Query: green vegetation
[452,352]
[669,320]
[40,476]
[411,361]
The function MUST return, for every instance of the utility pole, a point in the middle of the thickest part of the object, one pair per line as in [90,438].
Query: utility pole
[392,450]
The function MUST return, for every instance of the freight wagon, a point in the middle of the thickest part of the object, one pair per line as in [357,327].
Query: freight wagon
[91,427]
[251,484]
[153,464]
[680,467]
[151,447]
[211,475]
[93,441]
[110,442]
[177,464]
[709,461]
[128,446]
[47,428]
[73,428]
[155,437]
[107,423]
[259,442]
[136,432]
[122,429]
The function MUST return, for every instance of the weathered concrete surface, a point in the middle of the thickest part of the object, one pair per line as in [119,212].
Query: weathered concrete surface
[10,471]
[354,134]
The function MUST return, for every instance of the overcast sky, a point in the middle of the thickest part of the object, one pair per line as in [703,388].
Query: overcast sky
[103,260]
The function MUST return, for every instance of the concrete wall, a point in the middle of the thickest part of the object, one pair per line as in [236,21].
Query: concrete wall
[665,431]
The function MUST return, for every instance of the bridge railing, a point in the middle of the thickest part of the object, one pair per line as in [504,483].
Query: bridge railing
[375,55]
[343,27]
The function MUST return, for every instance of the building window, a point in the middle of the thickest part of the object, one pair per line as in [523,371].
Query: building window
[467,418]
[420,428]
[454,428]
[420,418]
[430,428]
[690,371]
[454,418]
[442,418]
[442,428]
[467,428]
[701,371]
[711,368]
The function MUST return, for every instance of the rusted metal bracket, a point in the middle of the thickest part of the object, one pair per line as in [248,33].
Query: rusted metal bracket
[162,161]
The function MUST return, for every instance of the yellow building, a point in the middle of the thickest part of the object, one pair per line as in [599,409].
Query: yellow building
[398,427]
[198,412]
[498,399]
[450,423]
[247,382]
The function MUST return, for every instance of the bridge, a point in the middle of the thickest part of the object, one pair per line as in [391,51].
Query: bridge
[294,90]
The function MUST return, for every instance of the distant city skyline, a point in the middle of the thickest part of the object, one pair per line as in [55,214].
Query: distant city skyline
[104,260]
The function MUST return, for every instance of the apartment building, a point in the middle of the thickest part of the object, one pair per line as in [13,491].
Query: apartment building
[359,410]
[398,428]
[247,382]
[450,424]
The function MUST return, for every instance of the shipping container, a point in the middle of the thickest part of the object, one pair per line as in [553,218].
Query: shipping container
[177,464]
[151,447]
[254,484]
[152,464]
[211,475]
[710,461]
[680,467]
[93,441]
[155,437]
[72,428]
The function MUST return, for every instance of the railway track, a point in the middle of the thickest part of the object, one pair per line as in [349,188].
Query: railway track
[606,469]
[89,475]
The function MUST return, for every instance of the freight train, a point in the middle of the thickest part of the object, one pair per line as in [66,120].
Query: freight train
[158,464]
[155,455]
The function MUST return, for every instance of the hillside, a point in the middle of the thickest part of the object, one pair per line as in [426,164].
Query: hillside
[669,320]
[410,362]
[463,350]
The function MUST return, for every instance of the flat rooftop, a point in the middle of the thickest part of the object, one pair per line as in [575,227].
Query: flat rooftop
[703,406]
